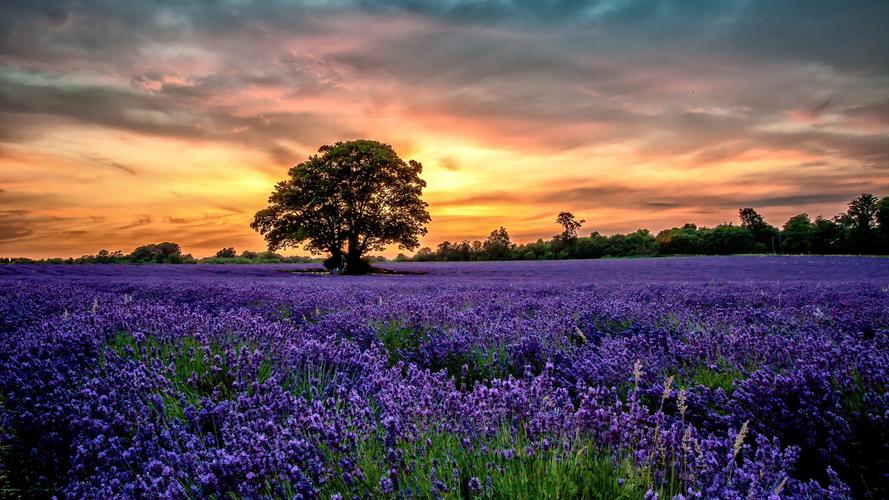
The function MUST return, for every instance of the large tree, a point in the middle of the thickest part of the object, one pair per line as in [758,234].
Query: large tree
[351,198]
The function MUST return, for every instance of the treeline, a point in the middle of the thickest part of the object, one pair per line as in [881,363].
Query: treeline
[863,229]
[167,253]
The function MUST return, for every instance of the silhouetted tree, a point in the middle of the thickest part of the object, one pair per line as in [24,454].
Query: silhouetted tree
[883,224]
[227,253]
[827,236]
[497,246]
[764,233]
[425,254]
[569,224]
[861,218]
[351,198]
[106,257]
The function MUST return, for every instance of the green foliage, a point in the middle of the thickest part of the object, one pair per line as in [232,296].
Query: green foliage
[506,465]
[310,380]
[720,375]
[195,374]
[467,368]
[248,257]
[477,365]
[399,340]
[797,234]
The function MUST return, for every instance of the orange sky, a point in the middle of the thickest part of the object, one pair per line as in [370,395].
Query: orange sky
[122,127]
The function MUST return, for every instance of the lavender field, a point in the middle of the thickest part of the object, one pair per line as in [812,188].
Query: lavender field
[728,377]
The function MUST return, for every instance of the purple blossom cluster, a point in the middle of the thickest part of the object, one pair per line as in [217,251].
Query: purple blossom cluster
[736,377]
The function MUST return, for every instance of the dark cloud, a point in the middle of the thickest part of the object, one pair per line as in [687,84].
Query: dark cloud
[141,221]
[873,114]
[232,209]
[102,161]
[11,231]
[563,74]
[797,200]
[161,116]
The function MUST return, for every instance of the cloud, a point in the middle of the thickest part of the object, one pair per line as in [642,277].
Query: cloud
[868,116]
[141,221]
[98,160]
[449,163]
[633,111]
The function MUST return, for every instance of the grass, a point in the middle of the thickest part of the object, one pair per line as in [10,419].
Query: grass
[195,374]
[482,364]
[720,375]
[311,381]
[439,464]
[399,340]
[7,489]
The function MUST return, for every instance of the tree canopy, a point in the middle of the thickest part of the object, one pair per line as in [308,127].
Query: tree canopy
[351,198]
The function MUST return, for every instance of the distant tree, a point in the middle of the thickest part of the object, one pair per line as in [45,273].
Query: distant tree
[726,239]
[106,257]
[446,251]
[166,252]
[227,253]
[569,224]
[883,224]
[639,242]
[861,218]
[642,242]
[827,236]
[425,254]
[764,233]
[679,241]
[351,198]
[270,256]
[476,249]
[797,234]
[497,246]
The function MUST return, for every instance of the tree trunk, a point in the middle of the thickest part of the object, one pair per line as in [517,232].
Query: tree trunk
[354,263]
[335,261]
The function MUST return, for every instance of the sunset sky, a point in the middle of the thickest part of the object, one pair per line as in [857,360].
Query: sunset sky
[124,123]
